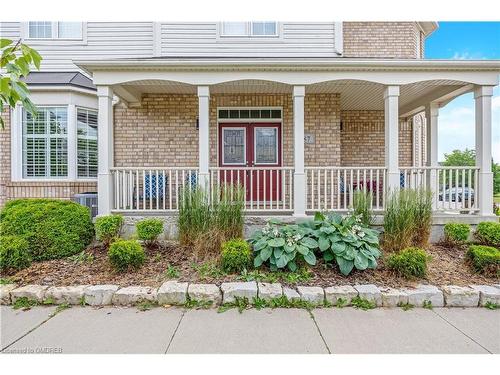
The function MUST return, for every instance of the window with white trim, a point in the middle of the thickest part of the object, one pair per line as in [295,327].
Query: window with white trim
[55,30]
[249,29]
[86,121]
[45,143]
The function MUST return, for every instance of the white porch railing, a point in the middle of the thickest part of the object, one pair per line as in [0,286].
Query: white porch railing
[271,189]
[454,188]
[265,188]
[332,188]
[150,189]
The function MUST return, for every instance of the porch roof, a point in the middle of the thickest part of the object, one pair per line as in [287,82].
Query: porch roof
[360,82]
[286,63]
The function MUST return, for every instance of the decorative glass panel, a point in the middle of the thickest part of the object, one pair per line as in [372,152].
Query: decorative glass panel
[264,28]
[45,144]
[253,114]
[70,30]
[234,28]
[233,146]
[86,143]
[266,145]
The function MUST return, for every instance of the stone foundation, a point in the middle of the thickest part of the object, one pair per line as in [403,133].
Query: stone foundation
[253,223]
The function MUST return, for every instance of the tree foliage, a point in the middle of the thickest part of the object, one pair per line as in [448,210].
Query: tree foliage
[16,62]
[458,158]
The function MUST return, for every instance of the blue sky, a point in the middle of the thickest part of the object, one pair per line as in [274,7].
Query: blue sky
[465,40]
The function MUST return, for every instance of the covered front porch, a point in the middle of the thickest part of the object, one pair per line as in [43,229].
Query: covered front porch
[296,136]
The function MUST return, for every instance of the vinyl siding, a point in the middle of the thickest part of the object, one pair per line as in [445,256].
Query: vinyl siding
[202,39]
[104,40]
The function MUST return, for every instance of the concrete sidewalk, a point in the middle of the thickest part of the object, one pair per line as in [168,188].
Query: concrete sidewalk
[176,330]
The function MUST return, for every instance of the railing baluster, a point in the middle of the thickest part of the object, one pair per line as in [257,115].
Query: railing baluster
[338,189]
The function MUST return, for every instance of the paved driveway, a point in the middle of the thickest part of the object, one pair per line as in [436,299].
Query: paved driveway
[175,330]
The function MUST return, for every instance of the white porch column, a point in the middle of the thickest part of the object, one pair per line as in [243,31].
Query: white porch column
[391,117]
[431,119]
[105,150]
[299,177]
[204,141]
[484,192]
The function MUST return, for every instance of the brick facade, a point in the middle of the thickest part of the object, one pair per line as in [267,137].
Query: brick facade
[382,40]
[163,133]
[363,139]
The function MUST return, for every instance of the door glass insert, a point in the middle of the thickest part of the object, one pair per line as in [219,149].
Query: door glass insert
[266,145]
[233,145]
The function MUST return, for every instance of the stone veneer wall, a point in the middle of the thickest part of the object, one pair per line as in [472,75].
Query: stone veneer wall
[363,139]
[381,39]
[31,189]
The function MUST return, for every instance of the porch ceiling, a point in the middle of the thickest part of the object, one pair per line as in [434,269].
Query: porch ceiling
[354,94]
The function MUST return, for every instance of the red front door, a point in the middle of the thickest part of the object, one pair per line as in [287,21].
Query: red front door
[257,148]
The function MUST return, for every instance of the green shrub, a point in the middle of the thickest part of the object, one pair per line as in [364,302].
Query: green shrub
[488,233]
[456,233]
[407,219]
[126,254]
[14,253]
[149,230]
[485,259]
[236,255]
[362,206]
[283,246]
[107,228]
[346,241]
[205,221]
[409,263]
[53,228]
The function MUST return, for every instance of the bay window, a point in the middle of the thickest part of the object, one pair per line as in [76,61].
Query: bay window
[86,121]
[58,142]
[45,143]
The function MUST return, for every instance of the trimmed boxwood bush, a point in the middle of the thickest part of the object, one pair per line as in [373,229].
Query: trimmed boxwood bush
[149,230]
[53,228]
[14,253]
[107,228]
[456,233]
[236,255]
[126,254]
[485,259]
[488,233]
[409,263]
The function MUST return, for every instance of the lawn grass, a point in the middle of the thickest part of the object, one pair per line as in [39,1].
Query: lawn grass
[496,198]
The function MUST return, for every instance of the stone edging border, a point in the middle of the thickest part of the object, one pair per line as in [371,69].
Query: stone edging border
[179,293]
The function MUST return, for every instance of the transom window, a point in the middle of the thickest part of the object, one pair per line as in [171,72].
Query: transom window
[45,143]
[86,142]
[249,29]
[54,30]
[254,114]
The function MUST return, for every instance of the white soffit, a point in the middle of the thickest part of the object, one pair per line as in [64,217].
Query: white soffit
[354,94]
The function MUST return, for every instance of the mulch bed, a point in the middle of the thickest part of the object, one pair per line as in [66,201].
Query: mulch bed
[448,266]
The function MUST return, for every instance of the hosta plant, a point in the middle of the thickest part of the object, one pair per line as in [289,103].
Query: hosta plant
[282,246]
[346,241]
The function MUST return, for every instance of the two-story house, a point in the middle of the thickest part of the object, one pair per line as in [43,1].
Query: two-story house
[299,114]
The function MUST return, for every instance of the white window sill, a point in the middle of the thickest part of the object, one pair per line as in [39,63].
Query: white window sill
[55,41]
